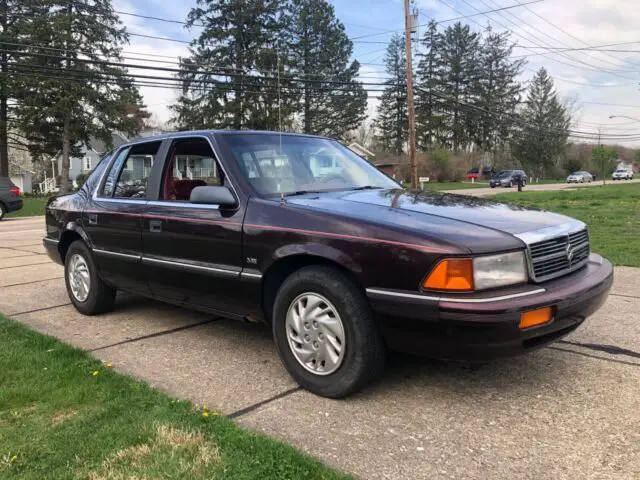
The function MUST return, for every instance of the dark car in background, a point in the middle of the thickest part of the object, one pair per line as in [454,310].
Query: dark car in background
[340,261]
[10,200]
[508,178]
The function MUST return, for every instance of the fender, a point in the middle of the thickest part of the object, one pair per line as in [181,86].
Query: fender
[316,250]
[75,226]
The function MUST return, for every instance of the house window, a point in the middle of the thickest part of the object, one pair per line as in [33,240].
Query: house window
[87,163]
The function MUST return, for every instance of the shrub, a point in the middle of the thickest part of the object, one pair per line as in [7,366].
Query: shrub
[80,179]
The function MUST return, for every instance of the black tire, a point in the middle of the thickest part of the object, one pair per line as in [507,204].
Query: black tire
[3,210]
[101,297]
[365,352]
[492,186]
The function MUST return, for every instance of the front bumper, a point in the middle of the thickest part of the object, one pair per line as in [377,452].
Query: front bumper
[483,326]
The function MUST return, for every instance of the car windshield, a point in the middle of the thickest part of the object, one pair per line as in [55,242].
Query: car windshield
[620,170]
[505,173]
[289,164]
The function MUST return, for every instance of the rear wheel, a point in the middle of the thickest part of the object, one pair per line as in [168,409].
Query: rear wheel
[86,290]
[325,332]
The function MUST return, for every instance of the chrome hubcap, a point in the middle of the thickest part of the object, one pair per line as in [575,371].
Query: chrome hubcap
[79,278]
[315,333]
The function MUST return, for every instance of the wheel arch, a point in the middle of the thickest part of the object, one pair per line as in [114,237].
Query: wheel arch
[71,233]
[285,265]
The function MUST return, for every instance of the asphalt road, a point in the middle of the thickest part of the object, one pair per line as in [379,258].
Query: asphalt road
[481,192]
[570,411]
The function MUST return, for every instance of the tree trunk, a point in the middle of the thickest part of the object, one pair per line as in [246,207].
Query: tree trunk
[4,110]
[66,153]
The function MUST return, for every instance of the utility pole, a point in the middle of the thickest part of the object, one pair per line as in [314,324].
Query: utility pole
[410,108]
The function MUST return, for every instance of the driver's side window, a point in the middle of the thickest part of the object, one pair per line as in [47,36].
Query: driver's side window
[190,163]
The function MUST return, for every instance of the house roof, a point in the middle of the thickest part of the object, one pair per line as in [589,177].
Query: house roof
[356,147]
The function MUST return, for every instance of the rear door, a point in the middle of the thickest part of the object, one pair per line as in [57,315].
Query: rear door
[113,216]
[193,253]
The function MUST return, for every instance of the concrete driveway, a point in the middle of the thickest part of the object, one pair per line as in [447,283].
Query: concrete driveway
[568,411]
[482,192]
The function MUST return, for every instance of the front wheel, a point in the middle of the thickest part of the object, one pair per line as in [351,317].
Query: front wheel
[86,290]
[325,333]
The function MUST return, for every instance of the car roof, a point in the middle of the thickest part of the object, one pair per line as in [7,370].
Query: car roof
[187,133]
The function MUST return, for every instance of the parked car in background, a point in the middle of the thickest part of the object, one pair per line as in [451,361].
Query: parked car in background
[488,171]
[508,178]
[473,174]
[10,200]
[341,266]
[580,177]
[622,174]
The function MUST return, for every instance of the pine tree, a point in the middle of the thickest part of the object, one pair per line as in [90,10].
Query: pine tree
[230,79]
[497,91]
[18,25]
[458,73]
[333,102]
[428,86]
[392,120]
[543,126]
[71,93]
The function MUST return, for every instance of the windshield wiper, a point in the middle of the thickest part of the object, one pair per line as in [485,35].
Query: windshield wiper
[299,192]
[366,187]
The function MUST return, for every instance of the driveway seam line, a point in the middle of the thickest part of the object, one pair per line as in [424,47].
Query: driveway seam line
[30,282]
[20,266]
[614,360]
[41,309]
[155,334]
[255,406]
[30,254]
[623,295]
[610,349]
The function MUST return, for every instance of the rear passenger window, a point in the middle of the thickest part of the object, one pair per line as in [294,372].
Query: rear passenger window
[130,172]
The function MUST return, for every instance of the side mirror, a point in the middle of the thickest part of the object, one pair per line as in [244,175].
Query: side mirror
[213,196]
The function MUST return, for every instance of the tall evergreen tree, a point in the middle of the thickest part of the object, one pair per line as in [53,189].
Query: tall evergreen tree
[19,22]
[543,126]
[392,120]
[333,102]
[230,79]
[497,91]
[458,73]
[70,93]
[428,85]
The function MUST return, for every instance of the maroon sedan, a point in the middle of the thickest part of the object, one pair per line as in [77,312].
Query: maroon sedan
[341,262]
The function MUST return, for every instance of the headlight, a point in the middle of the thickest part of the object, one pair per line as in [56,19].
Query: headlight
[499,270]
[468,274]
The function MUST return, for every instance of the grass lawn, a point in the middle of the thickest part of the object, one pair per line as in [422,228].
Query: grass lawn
[438,186]
[612,213]
[64,414]
[31,206]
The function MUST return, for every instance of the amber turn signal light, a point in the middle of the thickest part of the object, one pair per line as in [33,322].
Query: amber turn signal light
[533,318]
[452,274]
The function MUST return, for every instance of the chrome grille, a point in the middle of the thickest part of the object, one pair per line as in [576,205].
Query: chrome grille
[559,255]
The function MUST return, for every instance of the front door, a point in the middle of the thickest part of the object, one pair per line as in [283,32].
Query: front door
[193,253]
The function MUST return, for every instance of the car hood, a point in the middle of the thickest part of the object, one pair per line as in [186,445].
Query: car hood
[386,205]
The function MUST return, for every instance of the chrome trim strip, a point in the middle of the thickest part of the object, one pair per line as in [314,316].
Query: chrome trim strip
[109,253]
[190,266]
[454,300]
[548,233]
[250,275]
[52,241]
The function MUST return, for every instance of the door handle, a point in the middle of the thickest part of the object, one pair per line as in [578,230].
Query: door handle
[155,226]
[93,219]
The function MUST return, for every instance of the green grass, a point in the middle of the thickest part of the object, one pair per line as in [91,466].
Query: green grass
[438,186]
[31,206]
[64,414]
[612,213]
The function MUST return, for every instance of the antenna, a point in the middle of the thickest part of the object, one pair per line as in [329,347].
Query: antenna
[279,102]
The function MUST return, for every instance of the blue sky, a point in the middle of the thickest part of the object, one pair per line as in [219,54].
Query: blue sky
[594,94]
